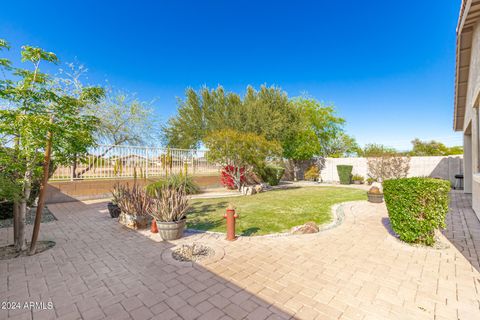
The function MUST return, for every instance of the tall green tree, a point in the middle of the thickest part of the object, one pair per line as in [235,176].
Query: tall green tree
[433,148]
[264,112]
[313,130]
[374,150]
[342,145]
[33,109]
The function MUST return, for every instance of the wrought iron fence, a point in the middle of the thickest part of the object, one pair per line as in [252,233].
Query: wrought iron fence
[111,162]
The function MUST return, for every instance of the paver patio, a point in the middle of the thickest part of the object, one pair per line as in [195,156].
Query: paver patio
[358,270]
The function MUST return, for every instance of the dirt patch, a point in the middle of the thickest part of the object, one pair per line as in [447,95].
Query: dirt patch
[9,252]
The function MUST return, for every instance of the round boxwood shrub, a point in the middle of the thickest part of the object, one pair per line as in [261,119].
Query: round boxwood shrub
[416,207]
[344,173]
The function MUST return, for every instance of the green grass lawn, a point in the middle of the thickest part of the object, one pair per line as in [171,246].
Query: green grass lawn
[272,211]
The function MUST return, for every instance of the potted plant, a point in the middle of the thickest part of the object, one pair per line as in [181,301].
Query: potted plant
[169,208]
[370,180]
[357,179]
[112,206]
[134,204]
[375,195]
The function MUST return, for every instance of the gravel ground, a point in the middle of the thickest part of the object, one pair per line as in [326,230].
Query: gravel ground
[193,252]
[47,216]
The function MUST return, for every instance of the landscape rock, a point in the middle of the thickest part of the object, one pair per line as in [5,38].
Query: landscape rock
[309,227]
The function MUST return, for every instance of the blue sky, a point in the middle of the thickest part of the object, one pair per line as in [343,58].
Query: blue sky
[388,66]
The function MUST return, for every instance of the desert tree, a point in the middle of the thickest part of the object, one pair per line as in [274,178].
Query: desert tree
[38,119]
[240,151]
[125,119]
[312,132]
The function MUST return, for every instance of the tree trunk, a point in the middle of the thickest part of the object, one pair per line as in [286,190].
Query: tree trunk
[22,240]
[22,216]
[295,171]
[238,178]
[74,167]
[41,197]
[16,206]
[16,220]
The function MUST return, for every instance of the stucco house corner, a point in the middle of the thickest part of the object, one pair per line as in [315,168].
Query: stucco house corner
[467,95]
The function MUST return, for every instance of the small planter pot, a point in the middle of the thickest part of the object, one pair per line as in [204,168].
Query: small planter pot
[375,198]
[113,209]
[171,230]
[134,221]
[357,182]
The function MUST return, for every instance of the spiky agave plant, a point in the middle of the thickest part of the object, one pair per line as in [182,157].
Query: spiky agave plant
[134,200]
[169,204]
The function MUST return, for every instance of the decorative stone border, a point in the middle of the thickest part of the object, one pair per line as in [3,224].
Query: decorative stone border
[219,253]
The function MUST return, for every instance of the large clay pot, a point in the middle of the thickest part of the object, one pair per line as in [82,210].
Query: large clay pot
[375,197]
[171,230]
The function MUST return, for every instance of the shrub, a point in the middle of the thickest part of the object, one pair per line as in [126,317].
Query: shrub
[416,207]
[312,173]
[226,176]
[133,201]
[185,181]
[388,166]
[344,173]
[357,177]
[117,193]
[175,181]
[271,174]
[169,204]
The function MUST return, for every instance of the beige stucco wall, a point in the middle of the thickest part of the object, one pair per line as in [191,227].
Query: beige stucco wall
[472,122]
[476,194]
[440,167]
[473,76]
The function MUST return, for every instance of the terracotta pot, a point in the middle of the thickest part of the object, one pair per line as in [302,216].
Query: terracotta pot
[375,197]
[171,230]
[153,227]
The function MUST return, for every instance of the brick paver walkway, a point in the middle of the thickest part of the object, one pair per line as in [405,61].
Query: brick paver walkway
[358,270]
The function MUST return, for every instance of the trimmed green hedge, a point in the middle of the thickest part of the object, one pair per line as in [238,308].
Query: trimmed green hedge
[416,207]
[345,173]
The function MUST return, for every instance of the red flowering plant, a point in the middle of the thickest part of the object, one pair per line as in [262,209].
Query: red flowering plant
[227,174]
[239,153]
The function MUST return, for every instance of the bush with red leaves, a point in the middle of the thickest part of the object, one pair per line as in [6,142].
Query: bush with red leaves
[226,176]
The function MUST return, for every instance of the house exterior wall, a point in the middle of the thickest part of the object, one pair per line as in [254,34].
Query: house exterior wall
[471,124]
